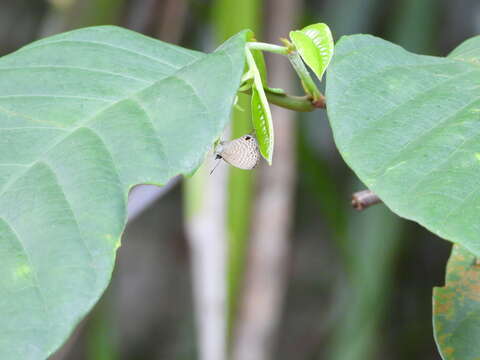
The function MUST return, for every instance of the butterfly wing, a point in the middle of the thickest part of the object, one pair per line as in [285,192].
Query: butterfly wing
[242,152]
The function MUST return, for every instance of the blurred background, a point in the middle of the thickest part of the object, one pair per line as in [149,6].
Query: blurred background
[273,263]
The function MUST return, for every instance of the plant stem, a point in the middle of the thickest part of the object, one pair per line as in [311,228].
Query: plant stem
[312,101]
[304,75]
[276,49]
[296,103]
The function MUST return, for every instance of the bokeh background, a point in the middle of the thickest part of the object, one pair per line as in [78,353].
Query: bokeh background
[289,268]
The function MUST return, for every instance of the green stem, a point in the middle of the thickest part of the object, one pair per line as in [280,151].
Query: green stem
[305,103]
[304,75]
[276,49]
[296,103]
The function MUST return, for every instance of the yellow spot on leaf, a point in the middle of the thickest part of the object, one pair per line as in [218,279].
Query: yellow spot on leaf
[23,271]
[448,351]
[116,242]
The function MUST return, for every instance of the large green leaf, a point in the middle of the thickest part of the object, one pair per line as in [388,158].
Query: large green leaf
[456,308]
[84,116]
[409,126]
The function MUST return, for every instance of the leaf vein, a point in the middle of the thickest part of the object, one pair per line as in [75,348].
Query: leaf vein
[71,67]
[101,44]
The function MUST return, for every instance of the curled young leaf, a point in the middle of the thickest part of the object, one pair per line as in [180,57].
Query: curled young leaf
[262,123]
[261,116]
[315,45]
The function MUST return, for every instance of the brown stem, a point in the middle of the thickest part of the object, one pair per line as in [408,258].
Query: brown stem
[320,103]
[364,199]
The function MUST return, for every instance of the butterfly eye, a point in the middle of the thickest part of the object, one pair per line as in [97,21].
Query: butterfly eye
[248,137]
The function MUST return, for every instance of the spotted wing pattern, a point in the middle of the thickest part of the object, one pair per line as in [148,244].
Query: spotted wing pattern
[242,153]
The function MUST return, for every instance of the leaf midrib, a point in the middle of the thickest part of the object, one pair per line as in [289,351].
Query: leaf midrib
[416,139]
[362,131]
[27,167]
[422,135]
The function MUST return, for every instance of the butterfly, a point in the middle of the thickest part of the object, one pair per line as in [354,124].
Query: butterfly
[242,153]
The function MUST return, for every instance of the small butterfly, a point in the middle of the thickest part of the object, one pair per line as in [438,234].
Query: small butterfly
[242,153]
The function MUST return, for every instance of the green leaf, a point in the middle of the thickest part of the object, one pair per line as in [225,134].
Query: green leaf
[468,51]
[262,123]
[84,116]
[315,45]
[408,125]
[261,66]
[261,115]
[456,308]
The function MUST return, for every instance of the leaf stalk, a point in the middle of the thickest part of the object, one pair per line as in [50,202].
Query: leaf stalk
[304,76]
[296,103]
[276,49]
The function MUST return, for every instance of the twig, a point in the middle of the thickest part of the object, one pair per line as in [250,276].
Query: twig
[364,199]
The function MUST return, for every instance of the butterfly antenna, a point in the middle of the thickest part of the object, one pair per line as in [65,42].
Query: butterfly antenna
[218,162]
